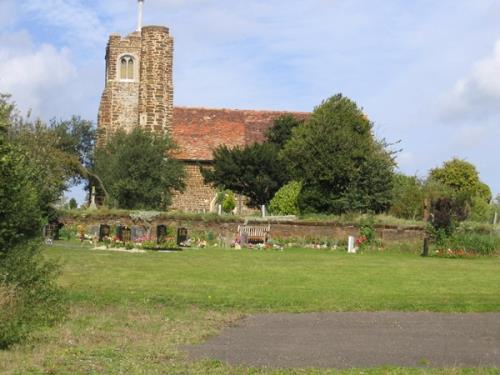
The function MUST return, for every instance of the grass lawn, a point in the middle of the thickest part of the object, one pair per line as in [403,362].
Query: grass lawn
[130,312]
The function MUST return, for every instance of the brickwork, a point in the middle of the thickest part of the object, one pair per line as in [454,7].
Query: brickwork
[197,196]
[119,102]
[145,100]
[156,86]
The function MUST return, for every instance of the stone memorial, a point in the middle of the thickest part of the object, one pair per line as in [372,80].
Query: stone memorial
[124,233]
[182,235]
[351,247]
[161,233]
[104,232]
[137,233]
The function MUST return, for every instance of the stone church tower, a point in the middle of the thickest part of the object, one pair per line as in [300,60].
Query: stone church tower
[139,93]
[138,81]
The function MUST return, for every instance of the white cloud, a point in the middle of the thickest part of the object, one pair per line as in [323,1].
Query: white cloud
[477,95]
[35,76]
[78,21]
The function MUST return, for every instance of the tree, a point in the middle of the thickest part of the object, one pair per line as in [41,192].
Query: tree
[281,131]
[137,170]
[407,197]
[254,171]
[468,195]
[73,204]
[61,150]
[341,165]
[30,283]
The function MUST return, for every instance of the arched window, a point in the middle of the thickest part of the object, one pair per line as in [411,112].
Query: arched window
[127,68]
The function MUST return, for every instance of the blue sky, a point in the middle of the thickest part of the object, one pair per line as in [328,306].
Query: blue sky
[426,72]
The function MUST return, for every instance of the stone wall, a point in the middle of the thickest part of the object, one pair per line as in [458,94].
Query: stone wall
[120,99]
[147,100]
[197,196]
[156,86]
[279,229]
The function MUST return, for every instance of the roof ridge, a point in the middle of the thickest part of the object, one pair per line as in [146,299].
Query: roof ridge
[240,110]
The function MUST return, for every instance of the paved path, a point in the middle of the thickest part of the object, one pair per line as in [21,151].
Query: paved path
[346,340]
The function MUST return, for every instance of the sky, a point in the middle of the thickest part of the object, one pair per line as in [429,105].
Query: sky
[427,73]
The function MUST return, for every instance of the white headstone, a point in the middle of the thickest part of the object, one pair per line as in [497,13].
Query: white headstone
[351,249]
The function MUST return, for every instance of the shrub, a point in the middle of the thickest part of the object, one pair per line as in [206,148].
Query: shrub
[30,296]
[229,202]
[286,199]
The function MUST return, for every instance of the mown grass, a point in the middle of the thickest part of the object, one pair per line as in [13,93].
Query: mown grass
[131,313]
[295,280]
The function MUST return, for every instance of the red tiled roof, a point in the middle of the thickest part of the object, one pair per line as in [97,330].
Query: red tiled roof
[199,131]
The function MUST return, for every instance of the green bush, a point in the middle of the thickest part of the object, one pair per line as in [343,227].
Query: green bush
[481,211]
[286,199]
[229,202]
[29,295]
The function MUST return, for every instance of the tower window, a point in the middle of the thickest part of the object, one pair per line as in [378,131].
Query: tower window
[127,68]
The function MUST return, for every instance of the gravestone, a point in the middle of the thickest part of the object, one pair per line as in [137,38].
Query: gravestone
[351,249]
[104,231]
[182,235]
[137,233]
[124,233]
[161,233]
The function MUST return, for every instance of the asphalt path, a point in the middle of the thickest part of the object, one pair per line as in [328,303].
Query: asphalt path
[357,339]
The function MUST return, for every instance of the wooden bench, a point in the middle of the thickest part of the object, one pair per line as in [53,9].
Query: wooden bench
[254,233]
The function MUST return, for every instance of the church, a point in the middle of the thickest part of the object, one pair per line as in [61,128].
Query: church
[139,91]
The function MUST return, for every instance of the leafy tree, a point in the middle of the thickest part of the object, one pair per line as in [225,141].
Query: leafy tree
[282,128]
[61,150]
[254,171]
[341,165]
[461,177]
[407,197]
[30,296]
[73,204]
[137,171]
[467,194]
[286,199]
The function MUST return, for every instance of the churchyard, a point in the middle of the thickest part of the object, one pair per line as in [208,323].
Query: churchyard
[135,313]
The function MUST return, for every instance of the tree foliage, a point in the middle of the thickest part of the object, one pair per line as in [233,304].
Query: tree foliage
[254,171]
[342,167]
[462,178]
[30,296]
[286,199]
[60,150]
[137,170]
[467,196]
[407,197]
[282,129]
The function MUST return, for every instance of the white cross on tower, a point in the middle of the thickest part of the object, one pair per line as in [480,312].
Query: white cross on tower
[139,15]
